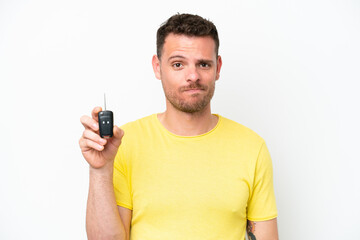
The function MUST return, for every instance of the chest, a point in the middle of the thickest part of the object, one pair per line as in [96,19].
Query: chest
[176,181]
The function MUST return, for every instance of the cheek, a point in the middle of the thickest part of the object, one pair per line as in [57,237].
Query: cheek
[172,80]
[168,86]
[209,75]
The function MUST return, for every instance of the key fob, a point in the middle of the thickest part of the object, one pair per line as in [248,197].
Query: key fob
[106,123]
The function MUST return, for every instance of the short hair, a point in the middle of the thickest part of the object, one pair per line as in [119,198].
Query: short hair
[189,25]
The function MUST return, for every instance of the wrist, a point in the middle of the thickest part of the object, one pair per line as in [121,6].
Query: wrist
[106,170]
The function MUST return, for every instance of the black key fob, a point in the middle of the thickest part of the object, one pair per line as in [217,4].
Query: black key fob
[106,123]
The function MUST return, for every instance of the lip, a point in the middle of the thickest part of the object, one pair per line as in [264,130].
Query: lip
[195,90]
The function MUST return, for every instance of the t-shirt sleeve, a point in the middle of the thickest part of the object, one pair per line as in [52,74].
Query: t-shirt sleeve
[121,181]
[261,204]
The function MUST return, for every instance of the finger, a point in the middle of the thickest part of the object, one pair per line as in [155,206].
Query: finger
[86,145]
[90,135]
[118,135]
[89,123]
[95,112]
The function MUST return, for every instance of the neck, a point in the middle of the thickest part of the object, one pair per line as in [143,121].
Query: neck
[188,124]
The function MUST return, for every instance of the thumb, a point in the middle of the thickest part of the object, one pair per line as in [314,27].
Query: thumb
[118,135]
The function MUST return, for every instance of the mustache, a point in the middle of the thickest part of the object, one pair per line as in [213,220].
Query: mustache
[192,86]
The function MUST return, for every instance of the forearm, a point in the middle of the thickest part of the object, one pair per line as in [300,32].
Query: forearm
[262,230]
[102,216]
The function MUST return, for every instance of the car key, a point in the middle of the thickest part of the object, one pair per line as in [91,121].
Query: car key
[106,122]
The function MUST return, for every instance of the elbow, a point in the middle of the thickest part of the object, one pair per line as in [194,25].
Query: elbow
[99,235]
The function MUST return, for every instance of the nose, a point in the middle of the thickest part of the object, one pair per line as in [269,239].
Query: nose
[193,74]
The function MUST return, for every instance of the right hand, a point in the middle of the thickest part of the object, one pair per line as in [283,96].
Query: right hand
[98,151]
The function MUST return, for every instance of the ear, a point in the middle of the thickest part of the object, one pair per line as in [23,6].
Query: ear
[218,67]
[156,66]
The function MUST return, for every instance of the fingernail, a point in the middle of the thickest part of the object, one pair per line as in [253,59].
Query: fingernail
[95,126]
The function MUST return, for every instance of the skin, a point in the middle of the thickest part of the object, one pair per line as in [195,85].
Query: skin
[104,219]
[188,70]
[263,230]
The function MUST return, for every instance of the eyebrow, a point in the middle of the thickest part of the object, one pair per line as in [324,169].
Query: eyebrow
[199,61]
[175,56]
[206,61]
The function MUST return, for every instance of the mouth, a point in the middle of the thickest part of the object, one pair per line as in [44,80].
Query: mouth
[194,90]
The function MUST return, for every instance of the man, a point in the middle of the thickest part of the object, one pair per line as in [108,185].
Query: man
[184,173]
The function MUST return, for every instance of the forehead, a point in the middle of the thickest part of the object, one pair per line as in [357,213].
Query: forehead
[203,47]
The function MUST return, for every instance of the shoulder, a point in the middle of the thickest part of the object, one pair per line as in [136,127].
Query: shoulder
[139,123]
[237,130]
[139,127]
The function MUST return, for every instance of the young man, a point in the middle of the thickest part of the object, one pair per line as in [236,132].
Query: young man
[185,173]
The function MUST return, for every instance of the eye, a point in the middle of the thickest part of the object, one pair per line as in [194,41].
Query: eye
[177,65]
[204,65]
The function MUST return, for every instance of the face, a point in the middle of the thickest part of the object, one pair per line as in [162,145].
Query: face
[188,70]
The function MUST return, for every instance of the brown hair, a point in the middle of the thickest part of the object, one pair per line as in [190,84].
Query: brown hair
[186,24]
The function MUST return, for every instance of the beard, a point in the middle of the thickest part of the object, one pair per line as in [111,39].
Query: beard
[192,103]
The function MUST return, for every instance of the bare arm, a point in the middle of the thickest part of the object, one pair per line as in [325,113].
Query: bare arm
[262,230]
[104,220]
[126,216]
[102,216]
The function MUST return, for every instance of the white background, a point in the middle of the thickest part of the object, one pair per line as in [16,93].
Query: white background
[290,72]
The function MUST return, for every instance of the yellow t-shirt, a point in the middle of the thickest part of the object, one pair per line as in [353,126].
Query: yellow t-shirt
[198,187]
